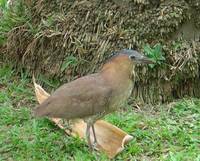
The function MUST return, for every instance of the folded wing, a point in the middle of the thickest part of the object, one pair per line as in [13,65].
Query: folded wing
[83,97]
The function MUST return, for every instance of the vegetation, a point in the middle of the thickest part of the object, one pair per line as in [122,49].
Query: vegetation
[155,54]
[167,132]
[10,18]
[67,39]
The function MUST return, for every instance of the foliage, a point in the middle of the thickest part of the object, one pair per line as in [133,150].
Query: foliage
[155,54]
[89,31]
[11,17]
[101,28]
[70,60]
[3,5]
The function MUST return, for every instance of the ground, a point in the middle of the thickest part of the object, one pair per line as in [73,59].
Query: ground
[166,132]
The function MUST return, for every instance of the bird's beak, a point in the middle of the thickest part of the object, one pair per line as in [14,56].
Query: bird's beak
[140,58]
[146,60]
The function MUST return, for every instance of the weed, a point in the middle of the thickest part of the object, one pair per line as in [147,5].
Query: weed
[11,17]
[155,54]
[70,60]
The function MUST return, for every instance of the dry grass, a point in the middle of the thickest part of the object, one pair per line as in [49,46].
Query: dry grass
[89,31]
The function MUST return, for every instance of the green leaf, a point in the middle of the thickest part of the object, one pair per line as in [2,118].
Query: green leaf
[71,60]
[154,53]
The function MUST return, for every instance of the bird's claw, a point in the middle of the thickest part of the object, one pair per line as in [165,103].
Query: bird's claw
[93,146]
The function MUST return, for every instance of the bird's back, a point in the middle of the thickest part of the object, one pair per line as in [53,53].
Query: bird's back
[81,98]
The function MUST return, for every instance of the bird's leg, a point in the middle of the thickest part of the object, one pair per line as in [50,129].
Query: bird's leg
[88,135]
[94,134]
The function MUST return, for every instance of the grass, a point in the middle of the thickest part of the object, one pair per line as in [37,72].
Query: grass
[11,17]
[169,132]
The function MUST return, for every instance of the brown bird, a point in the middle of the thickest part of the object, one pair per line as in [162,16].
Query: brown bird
[95,95]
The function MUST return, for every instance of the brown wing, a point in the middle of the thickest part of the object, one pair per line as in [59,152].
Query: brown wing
[83,97]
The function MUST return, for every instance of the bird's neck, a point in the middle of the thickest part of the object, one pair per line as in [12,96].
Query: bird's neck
[119,78]
[117,73]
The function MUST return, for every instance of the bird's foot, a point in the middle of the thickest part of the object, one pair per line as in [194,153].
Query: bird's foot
[93,146]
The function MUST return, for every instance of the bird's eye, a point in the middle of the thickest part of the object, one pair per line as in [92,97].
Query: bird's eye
[132,57]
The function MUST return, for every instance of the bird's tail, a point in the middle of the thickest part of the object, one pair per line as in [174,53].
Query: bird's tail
[41,96]
[40,111]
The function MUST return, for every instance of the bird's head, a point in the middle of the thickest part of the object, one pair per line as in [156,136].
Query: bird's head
[134,56]
[124,61]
